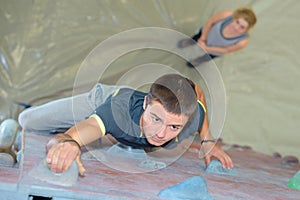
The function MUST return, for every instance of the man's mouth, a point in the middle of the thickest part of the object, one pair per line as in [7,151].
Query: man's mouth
[157,140]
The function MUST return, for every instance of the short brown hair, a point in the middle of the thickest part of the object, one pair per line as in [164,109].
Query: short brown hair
[247,14]
[176,94]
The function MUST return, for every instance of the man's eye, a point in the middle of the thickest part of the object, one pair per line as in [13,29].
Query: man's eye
[155,119]
[175,128]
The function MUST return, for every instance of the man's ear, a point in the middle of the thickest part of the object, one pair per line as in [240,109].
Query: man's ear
[145,102]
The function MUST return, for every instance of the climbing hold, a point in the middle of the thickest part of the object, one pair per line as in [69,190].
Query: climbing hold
[8,133]
[289,160]
[127,151]
[43,173]
[6,160]
[193,189]
[152,164]
[215,166]
[276,155]
[295,181]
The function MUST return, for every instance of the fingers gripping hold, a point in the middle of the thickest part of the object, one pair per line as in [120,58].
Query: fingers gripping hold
[62,151]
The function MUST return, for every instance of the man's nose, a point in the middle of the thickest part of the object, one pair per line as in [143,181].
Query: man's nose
[162,132]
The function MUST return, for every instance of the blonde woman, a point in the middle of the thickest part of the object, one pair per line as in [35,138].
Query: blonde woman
[225,32]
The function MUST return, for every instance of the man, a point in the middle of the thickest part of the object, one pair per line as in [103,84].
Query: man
[173,109]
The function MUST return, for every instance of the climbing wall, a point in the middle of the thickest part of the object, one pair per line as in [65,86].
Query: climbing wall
[255,175]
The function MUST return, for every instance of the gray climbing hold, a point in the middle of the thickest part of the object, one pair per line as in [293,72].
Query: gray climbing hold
[152,164]
[6,160]
[43,173]
[192,189]
[127,151]
[215,167]
[94,154]
[8,133]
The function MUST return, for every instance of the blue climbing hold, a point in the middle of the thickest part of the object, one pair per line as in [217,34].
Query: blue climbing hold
[215,166]
[192,189]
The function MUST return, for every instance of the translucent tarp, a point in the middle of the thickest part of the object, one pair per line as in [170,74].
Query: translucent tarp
[43,43]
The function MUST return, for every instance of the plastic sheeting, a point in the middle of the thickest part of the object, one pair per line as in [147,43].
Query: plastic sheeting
[43,44]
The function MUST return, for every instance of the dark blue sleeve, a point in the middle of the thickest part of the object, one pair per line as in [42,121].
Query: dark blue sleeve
[104,111]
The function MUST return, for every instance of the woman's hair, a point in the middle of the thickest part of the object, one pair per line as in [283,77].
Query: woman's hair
[176,94]
[247,14]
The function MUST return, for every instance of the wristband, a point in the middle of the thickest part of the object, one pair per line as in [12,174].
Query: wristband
[205,141]
[71,140]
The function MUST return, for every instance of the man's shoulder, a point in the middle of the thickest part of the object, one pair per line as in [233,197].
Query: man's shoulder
[129,92]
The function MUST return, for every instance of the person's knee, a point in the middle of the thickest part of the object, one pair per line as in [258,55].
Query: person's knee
[26,119]
[22,119]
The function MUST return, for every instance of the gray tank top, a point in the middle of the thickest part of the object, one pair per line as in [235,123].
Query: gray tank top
[215,37]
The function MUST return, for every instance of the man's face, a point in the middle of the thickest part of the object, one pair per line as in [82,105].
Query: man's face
[160,126]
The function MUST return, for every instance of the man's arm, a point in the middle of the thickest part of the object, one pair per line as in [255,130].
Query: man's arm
[204,131]
[210,149]
[64,148]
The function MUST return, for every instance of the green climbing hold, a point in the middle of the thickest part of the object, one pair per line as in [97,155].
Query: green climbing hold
[295,181]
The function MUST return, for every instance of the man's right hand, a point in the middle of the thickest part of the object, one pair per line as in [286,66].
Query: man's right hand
[61,155]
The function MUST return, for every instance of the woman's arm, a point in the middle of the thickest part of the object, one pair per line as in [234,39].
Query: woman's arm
[223,50]
[211,21]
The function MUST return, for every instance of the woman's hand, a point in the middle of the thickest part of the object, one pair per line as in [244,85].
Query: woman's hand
[202,44]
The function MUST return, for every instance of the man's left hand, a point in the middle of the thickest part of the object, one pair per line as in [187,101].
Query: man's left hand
[210,149]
